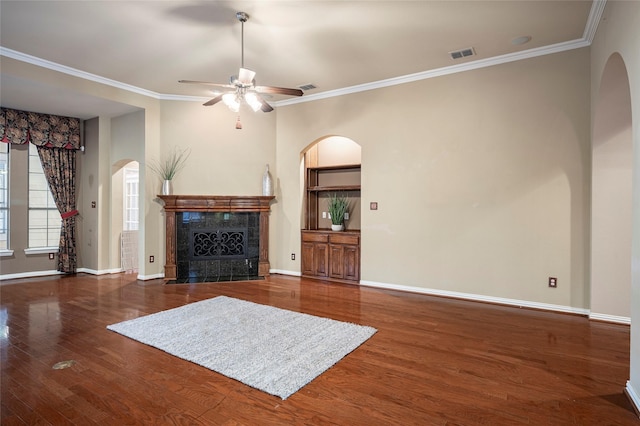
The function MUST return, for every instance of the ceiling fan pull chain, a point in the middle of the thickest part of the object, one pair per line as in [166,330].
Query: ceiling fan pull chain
[238,124]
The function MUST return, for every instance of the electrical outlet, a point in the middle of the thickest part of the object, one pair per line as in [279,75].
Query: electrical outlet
[293,256]
[152,259]
[346,215]
[324,215]
[553,282]
[51,256]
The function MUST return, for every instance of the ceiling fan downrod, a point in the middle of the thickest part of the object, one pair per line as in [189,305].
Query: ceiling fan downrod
[242,17]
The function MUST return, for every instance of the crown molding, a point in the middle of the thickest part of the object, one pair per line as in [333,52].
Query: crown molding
[597,9]
[439,72]
[23,57]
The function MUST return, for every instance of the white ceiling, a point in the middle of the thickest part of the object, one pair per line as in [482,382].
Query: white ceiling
[150,45]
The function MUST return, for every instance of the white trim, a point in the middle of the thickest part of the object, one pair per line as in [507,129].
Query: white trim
[6,253]
[150,277]
[438,72]
[634,396]
[9,53]
[41,250]
[100,272]
[285,272]
[479,298]
[610,318]
[597,8]
[31,274]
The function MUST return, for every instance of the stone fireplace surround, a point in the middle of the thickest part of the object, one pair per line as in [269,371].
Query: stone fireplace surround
[214,217]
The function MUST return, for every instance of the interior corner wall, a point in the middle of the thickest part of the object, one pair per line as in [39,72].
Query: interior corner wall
[618,33]
[611,190]
[87,193]
[481,178]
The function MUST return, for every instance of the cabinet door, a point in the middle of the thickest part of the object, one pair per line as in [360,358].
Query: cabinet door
[351,263]
[336,261]
[320,259]
[307,259]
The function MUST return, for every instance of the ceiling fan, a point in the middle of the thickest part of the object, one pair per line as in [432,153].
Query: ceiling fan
[243,86]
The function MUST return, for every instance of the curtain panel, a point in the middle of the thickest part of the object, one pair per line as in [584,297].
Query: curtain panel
[57,139]
[52,131]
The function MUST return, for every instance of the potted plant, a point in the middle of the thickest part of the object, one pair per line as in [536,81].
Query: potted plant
[338,205]
[169,167]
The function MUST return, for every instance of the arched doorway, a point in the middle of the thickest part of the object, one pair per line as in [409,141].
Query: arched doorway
[611,202]
[125,216]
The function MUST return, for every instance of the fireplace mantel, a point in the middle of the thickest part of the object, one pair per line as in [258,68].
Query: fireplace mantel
[214,203]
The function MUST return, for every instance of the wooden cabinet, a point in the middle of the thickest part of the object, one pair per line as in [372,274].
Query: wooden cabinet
[315,255]
[331,255]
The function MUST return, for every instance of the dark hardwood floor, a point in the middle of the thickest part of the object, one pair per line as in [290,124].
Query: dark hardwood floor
[433,361]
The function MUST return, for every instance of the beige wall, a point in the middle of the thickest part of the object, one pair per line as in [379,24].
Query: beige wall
[618,33]
[481,178]
[612,165]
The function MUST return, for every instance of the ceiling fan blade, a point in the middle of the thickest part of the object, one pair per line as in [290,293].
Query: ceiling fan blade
[214,100]
[265,107]
[207,83]
[246,76]
[279,90]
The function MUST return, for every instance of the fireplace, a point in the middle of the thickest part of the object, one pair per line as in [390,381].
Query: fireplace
[216,238]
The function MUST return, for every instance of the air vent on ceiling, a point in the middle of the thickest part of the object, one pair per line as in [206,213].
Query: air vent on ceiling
[306,87]
[463,53]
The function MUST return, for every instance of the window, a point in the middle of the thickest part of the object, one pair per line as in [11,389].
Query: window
[44,218]
[130,199]
[4,196]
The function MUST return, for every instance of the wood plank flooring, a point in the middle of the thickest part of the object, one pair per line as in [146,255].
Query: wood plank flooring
[433,361]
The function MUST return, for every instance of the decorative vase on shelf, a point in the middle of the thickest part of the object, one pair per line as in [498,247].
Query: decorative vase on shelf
[267,183]
[167,187]
[337,227]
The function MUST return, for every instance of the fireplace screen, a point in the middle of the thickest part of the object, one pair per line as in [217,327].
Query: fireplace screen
[212,244]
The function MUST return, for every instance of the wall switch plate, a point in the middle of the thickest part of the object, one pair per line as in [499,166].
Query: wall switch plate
[152,259]
[373,205]
[51,256]
[346,215]
[293,256]
[324,215]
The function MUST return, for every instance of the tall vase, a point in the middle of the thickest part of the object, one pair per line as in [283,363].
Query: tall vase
[167,187]
[267,183]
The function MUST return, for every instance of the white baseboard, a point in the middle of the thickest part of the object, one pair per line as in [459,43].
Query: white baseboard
[29,275]
[479,298]
[634,396]
[610,318]
[150,277]
[100,272]
[285,272]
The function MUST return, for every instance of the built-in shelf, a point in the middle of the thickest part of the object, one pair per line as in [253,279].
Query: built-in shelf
[334,188]
[321,183]
[329,255]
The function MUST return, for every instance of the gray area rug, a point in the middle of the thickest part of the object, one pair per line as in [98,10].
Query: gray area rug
[271,349]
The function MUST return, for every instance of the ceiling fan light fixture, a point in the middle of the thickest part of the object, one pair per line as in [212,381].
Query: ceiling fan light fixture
[231,100]
[246,76]
[252,101]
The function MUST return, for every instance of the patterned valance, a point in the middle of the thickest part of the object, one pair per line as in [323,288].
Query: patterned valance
[48,130]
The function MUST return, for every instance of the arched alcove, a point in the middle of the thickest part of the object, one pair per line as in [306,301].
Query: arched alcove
[124,216]
[327,152]
[611,197]
[330,169]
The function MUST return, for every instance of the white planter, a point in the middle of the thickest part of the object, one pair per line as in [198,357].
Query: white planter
[337,227]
